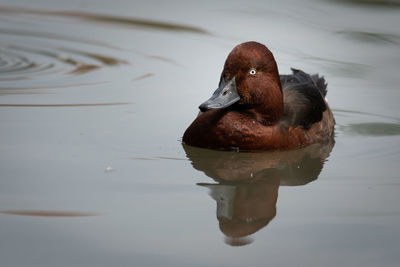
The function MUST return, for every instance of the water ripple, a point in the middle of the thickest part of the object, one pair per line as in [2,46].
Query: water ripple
[42,213]
[21,63]
[12,63]
[67,104]
[371,3]
[371,37]
[366,124]
[36,58]
[42,57]
[142,23]
[372,129]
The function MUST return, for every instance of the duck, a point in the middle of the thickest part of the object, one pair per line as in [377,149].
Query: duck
[255,108]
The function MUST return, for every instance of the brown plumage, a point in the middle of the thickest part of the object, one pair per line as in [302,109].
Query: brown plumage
[271,111]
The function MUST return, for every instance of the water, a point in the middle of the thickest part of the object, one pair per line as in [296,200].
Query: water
[94,99]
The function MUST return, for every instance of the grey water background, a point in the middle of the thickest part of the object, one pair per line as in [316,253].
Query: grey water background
[94,99]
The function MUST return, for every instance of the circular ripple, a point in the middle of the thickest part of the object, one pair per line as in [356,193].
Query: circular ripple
[36,60]
[14,65]
[22,62]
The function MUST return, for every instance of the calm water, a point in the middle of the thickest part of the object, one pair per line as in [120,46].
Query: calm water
[94,99]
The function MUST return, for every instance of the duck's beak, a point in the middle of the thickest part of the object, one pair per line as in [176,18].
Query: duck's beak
[223,97]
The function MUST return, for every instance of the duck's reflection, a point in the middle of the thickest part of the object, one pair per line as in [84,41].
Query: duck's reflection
[247,185]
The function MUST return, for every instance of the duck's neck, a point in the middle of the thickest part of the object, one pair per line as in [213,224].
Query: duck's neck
[270,109]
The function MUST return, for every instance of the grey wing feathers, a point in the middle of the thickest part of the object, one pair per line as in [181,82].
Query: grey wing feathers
[303,97]
[299,77]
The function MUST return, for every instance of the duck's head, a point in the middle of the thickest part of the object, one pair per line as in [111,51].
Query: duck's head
[250,80]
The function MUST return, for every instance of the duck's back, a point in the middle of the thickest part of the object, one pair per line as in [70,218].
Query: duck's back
[304,98]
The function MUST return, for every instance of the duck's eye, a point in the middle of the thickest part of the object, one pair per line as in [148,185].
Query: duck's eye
[253,71]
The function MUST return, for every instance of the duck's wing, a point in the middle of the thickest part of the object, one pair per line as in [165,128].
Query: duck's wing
[303,97]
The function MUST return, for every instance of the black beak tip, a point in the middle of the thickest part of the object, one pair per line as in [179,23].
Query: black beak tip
[203,108]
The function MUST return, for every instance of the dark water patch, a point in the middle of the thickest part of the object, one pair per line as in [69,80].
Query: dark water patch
[371,37]
[139,23]
[366,124]
[104,59]
[372,129]
[371,3]
[342,68]
[156,158]
[347,113]
[67,105]
[164,59]
[40,213]
[144,76]
[372,214]
[141,158]
[149,24]
[84,68]
[172,158]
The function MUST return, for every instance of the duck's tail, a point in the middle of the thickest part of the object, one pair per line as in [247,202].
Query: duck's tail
[320,83]
[300,77]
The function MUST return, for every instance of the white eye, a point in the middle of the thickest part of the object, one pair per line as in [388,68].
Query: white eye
[253,71]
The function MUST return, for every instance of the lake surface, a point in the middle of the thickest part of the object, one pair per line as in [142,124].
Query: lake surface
[95,97]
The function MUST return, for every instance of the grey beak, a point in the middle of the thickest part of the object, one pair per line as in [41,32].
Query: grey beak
[223,97]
